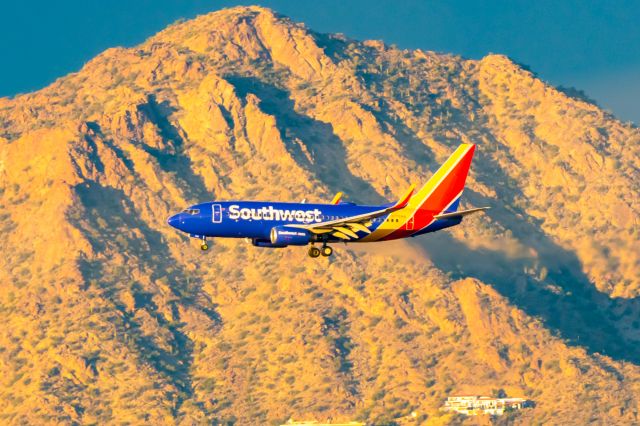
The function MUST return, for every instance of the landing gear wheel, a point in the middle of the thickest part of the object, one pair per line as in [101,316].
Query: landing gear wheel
[327,251]
[314,251]
[204,247]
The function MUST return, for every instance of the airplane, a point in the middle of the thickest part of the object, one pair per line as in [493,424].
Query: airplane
[277,224]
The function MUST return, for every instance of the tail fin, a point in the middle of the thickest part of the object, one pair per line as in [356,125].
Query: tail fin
[440,195]
[442,192]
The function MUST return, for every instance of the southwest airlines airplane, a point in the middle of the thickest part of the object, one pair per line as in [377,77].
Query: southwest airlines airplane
[274,224]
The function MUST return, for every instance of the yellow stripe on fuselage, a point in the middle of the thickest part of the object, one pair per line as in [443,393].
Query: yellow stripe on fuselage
[398,219]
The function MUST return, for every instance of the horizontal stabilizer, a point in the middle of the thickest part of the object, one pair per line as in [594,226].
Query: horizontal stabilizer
[462,213]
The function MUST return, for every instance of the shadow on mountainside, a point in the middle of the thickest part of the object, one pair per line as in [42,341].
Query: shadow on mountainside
[109,211]
[565,300]
[414,149]
[175,162]
[328,162]
[111,222]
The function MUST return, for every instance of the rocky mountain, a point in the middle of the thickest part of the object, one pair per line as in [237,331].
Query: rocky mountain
[111,316]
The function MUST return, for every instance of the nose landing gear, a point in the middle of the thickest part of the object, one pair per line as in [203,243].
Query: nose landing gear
[204,246]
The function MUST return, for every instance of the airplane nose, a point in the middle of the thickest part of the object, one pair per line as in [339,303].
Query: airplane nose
[174,220]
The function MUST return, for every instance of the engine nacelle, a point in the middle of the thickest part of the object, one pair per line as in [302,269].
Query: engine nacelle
[282,235]
[258,242]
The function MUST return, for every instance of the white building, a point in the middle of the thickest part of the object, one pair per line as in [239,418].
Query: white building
[472,405]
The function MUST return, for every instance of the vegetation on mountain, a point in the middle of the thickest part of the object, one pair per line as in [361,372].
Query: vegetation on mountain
[110,316]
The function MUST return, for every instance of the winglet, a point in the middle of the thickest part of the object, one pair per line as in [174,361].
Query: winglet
[337,198]
[404,200]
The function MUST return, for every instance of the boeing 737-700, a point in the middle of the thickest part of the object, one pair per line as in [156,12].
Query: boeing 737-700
[276,224]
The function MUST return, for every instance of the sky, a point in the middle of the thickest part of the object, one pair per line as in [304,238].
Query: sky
[590,45]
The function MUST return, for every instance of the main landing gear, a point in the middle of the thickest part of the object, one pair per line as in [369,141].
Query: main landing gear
[314,251]
[326,251]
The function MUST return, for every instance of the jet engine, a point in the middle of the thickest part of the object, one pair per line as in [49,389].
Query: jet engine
[259,242]
[282,235]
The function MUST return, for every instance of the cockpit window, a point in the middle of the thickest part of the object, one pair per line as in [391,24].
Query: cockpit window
[191,211]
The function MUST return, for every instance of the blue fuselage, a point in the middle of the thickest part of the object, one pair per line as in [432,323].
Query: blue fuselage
[256,219]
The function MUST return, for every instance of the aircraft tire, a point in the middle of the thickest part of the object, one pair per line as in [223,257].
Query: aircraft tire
[314,251]
[327,251]
[204,247]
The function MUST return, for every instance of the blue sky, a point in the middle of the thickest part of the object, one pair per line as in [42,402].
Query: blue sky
[591,45]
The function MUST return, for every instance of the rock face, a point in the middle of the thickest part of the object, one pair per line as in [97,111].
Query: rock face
[110,316]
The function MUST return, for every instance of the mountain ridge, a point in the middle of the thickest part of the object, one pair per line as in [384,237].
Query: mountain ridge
[111,316]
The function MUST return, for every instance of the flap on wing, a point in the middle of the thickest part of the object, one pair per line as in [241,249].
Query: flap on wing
[461,213]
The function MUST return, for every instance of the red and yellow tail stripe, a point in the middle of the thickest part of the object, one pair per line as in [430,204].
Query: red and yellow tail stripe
[444,187]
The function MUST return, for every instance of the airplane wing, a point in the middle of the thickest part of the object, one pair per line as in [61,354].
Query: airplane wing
[347,227]
[461,213]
